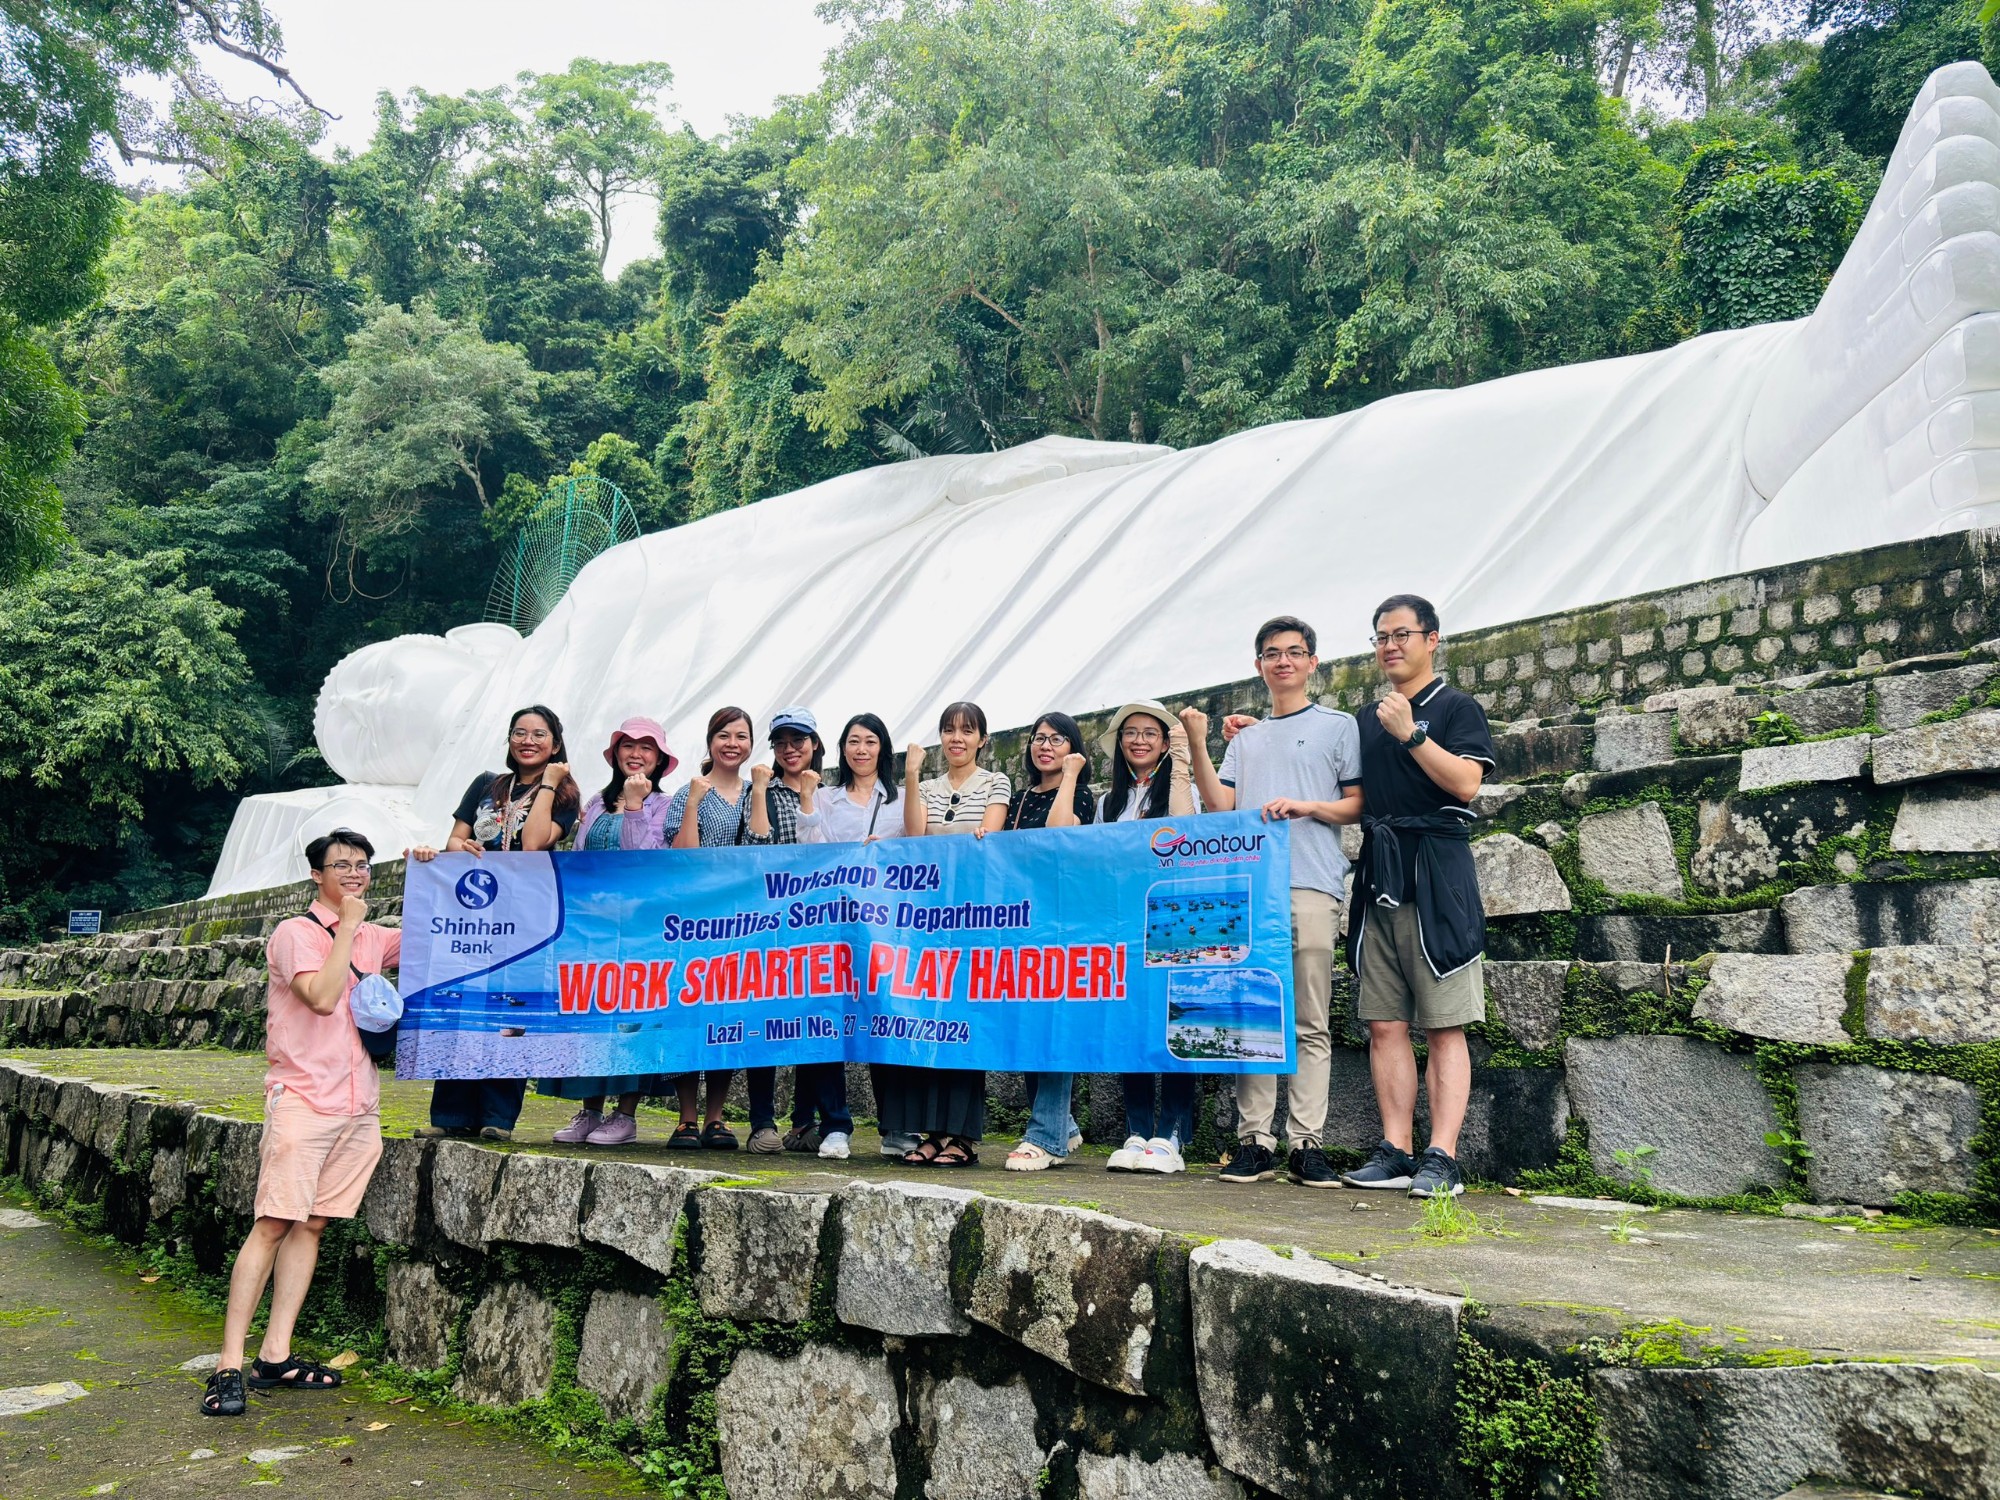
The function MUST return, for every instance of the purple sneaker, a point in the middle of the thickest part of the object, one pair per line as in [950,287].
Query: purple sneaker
[579,1128]
[620,1130]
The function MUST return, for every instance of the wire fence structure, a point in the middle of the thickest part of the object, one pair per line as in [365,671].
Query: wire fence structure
[577,519]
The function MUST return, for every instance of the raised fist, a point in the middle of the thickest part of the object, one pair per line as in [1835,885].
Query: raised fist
[1194,724]
[913,762]
[760,776]
[554,774]
[808,784]
[698,788]
[1235,724]
[1073,764]
[637,790]
[1393,714]
[352,910]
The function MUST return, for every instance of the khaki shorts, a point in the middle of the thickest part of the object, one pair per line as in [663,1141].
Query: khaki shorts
[314,1164]
[1396,979]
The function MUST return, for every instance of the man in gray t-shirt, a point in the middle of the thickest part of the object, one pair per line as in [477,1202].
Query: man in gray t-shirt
[1302,764]
[1310,755]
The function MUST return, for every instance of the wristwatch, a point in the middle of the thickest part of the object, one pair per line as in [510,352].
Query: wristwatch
[1417,737]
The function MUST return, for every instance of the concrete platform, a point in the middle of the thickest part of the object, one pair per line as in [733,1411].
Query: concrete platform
[1675,1285]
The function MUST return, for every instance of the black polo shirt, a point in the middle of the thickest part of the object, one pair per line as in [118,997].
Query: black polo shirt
[1396,786]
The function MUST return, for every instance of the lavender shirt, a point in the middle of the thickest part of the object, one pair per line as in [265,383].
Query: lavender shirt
[644,829]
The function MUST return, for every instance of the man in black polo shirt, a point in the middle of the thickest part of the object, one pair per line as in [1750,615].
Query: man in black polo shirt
[1417,928]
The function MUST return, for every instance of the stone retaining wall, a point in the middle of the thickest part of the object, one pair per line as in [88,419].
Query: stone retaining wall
[891,1340]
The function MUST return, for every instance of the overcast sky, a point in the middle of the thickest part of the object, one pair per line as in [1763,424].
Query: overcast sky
[730,57]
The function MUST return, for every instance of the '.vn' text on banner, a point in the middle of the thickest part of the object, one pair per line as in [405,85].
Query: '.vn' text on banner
[1137,947]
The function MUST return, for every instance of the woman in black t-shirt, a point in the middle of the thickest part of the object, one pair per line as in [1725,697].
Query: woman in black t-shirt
[532,805]
[1055,784]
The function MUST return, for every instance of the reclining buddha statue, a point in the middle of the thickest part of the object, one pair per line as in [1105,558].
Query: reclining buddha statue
[1076,575]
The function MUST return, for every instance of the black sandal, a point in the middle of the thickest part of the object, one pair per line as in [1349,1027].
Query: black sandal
[292,1374]
[957,1153]
[924,1154]
[686,1137]
[223,1395]
[718,1137]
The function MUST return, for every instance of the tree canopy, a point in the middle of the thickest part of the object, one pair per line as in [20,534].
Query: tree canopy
[298,404]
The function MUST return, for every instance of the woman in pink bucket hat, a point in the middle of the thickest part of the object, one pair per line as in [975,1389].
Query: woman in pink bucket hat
[630,813]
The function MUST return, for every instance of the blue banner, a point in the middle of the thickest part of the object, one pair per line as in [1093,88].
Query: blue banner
[1135,947]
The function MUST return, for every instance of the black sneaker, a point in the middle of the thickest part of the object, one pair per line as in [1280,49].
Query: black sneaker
[1389,1167]
[1437,1176]
[1308,1167]
[1249,1162]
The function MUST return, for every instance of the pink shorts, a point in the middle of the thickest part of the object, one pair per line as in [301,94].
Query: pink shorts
[314,1164]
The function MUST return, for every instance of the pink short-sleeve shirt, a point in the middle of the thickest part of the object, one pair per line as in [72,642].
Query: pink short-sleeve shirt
[320,1059]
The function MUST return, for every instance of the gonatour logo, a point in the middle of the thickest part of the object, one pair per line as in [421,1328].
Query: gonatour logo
[1170,844]
[477,889]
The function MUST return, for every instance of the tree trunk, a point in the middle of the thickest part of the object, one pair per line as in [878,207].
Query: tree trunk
[1624,68]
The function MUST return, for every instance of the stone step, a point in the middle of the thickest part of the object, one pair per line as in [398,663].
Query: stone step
[1647,939]
[1944,995]
[1880,914]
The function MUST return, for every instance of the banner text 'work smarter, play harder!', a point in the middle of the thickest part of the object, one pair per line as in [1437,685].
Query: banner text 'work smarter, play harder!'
[1132,947]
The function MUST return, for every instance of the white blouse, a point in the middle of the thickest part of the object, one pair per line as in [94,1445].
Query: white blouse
[837,818]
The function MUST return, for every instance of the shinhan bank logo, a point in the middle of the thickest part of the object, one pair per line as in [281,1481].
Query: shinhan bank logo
[1170,844]
[477,888]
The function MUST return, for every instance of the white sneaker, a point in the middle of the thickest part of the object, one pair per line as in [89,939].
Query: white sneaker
[1160,1156]
[1126,1157]
[834,1146]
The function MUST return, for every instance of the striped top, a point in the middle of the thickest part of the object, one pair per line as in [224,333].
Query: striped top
[963,810]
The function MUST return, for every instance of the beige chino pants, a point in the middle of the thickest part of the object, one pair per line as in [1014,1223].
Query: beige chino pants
[1315,920]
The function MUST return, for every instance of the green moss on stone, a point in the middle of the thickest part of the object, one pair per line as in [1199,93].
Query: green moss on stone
[1523,1430]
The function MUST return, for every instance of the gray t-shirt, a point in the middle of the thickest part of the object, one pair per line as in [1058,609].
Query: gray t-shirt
[1311,756]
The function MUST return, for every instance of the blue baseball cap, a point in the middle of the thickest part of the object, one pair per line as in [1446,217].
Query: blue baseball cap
[800,719]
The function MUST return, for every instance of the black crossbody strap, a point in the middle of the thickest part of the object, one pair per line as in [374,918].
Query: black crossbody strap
[352,967]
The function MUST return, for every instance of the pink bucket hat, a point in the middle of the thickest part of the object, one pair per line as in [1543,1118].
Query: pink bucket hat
[642,729]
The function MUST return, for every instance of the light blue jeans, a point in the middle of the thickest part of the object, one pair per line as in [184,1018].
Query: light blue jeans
[1049,1122]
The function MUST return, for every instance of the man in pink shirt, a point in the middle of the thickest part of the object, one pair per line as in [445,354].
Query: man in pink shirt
[322,1120]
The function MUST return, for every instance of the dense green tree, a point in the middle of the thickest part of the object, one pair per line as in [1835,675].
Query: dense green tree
[127,700]
[1759,240]
[1875,57]
[595,128]
[421,407]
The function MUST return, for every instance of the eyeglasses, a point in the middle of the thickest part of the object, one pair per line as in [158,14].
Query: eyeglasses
[346,866]
[536,736]
[1287,653]
[1400,638]
[1138,736]
[1049,741]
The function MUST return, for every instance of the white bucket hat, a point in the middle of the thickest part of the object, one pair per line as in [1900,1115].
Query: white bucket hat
[1109,743]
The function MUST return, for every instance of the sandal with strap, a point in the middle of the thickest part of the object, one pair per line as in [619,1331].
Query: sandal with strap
[957,1153]
[223,1395]
[924,1154]
[291,1374]
[686,1137]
